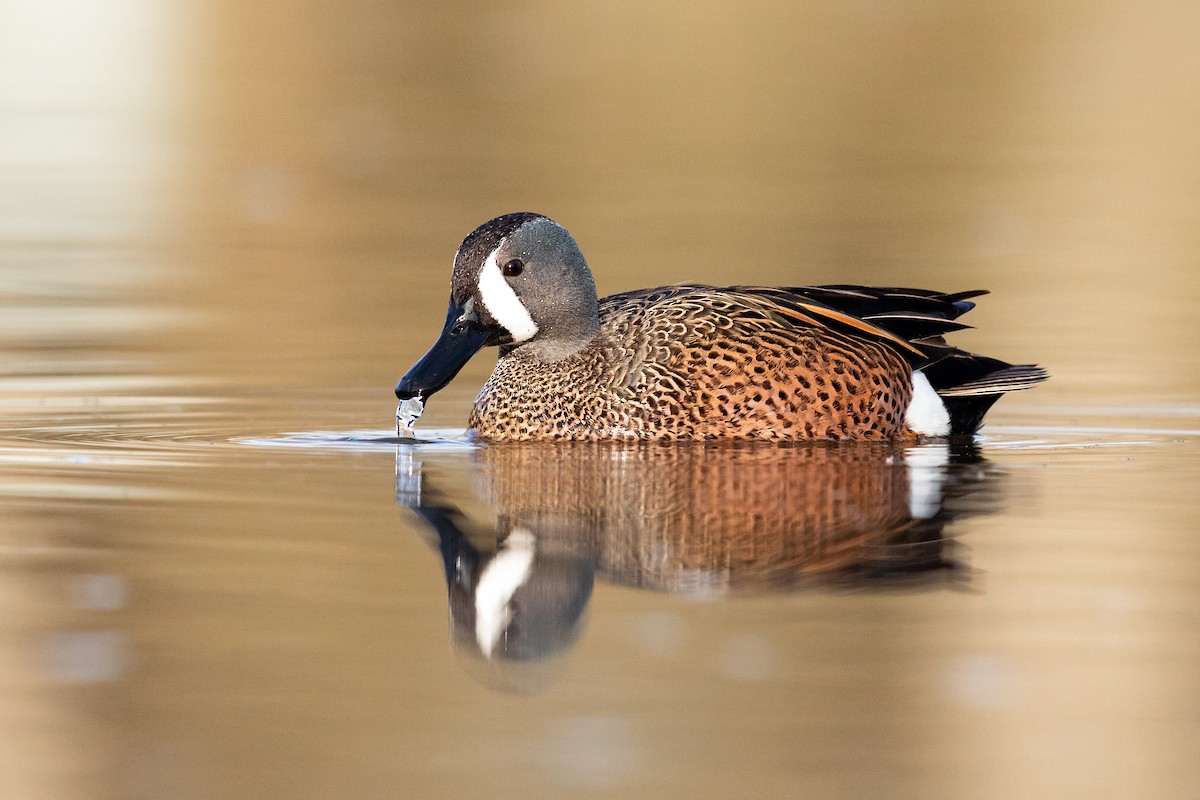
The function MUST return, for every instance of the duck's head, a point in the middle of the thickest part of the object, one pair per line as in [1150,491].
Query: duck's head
[519,281]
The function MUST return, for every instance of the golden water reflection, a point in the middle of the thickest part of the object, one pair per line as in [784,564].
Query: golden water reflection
[691,520]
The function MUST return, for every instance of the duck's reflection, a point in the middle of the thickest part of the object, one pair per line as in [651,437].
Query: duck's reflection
[521,599]
[678,519]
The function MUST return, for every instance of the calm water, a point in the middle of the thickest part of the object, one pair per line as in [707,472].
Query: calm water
[225,232]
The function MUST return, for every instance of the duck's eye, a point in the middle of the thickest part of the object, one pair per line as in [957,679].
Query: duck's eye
[514,268]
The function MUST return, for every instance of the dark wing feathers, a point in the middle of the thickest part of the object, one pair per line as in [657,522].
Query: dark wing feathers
[863,301]
[915,326]
[913,321]
[963,374]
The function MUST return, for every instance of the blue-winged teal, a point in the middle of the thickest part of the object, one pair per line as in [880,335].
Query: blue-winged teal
[698,362]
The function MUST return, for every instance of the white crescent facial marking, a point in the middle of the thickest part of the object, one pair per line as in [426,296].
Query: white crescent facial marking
[926,414]
[502,302]
[500,579]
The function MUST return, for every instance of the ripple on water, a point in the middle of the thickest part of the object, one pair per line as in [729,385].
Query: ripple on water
[1076,437]
[448,438]
[172,430]
[1030,437]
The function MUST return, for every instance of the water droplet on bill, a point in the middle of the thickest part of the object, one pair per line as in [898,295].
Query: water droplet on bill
[407,414]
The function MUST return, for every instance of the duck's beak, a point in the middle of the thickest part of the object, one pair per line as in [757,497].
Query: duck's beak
[461,338]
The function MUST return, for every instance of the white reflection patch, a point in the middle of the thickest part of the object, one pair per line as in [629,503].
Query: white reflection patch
[926,476]
[499,581]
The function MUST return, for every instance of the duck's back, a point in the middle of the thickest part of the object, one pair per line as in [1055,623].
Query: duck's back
[695,362]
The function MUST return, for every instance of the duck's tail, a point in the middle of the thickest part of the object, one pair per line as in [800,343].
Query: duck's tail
[969,384]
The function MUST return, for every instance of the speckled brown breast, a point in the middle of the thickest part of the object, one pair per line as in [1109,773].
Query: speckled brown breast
[700,363]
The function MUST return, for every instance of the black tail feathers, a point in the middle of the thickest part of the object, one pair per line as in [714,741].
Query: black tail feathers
[969,385]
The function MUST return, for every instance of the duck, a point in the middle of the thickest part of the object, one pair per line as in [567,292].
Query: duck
[696,362]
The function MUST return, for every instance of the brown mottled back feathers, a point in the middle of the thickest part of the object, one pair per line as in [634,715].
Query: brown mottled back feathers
[694,362]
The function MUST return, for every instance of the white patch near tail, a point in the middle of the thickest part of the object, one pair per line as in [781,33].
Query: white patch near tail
[502,302]
[926,414]
[499,581]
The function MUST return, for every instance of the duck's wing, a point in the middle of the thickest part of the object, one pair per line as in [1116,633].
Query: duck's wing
[863,301]
[923,317]
[913,313]
[911,322]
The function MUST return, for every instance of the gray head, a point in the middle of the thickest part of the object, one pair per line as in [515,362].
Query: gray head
[529,282]
[519,282]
